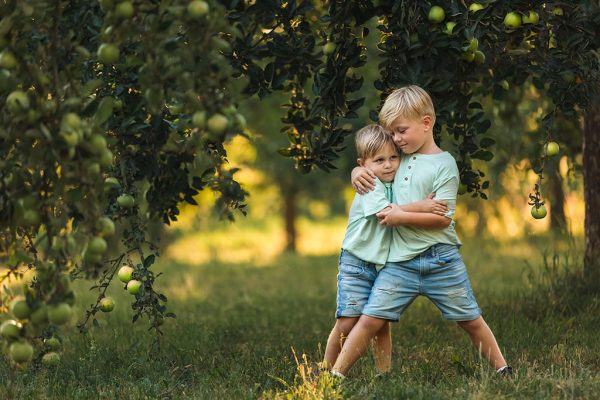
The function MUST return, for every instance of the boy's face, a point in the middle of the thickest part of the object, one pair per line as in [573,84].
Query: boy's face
[412,135]
[383,163]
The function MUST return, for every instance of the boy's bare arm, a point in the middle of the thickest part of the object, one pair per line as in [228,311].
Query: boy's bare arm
[427,205]
[395,216]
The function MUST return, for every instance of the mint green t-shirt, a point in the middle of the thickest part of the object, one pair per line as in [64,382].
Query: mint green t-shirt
[419,175]
[365,238]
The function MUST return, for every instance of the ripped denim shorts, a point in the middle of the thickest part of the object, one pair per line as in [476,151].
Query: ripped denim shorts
[354,282]
[438,273]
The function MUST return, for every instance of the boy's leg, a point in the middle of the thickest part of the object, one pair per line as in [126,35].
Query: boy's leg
[447,285]
[382,348]
[338,335]
[355,281]
[357,342]
[395,288]
[484,341]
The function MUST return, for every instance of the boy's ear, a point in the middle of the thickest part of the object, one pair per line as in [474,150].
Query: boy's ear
[360,162]
[427,122]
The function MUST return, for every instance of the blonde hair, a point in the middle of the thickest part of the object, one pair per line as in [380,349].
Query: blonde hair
[370,139]
[407,102]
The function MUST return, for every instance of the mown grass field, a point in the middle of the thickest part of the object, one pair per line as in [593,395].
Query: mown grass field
[240,328]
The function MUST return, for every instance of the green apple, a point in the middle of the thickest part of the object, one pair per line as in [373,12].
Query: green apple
[108,53]
[97,245]
[450,27]
[106,158]
[531,18]
[39,315]
[10,329]
[124,9]
[197,8]
[125,201]
[51,359]
[329,48]
[479,57]
[552,149]
[105,226]
[59,314]
[21,351]
[70,121]
[125,274]
[133,286]
[93,169]
[107,304]
[17,101]
[436,14]
[468,56]
[199,119]
[538,212]
[504,84]
[111,183]
[217,124]
[473,44]
[462,189]
[98,143]
[512,20]
[20,309]
[117,104]
[53,343]
[476,7]
[7,60]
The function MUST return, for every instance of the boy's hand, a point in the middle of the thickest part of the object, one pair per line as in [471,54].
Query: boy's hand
[389,216]
[363,180]
[429,205]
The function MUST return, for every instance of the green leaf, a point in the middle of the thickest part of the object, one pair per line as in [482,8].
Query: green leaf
[104,111]
[487,142]
[90,86]
[149,261]
[483,155]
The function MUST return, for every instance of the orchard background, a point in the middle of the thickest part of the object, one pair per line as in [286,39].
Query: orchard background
[133,132]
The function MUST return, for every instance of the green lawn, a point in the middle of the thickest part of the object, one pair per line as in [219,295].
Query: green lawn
[239,328]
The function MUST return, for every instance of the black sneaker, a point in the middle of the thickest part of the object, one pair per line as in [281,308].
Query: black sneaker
[506,372]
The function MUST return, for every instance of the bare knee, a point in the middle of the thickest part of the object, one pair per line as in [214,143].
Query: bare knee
[345,324]
[472,326]
[372,324]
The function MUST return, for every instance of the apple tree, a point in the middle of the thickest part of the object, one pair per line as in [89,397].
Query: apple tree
[112,113]
[461,52]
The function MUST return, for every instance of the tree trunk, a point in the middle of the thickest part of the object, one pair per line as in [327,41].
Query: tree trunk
[290,214]
[558,221]
[591,191]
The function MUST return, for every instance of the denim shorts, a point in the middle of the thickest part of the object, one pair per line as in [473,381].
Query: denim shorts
[438,273]
[355,281]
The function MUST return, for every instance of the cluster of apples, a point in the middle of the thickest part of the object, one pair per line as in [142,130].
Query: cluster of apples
[125,275]
[512,20]
[538,211]
[28,317]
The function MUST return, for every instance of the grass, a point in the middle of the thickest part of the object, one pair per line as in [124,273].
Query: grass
[242,330]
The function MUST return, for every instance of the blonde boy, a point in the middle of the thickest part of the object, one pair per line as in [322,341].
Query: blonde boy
[366,243]
[423,257]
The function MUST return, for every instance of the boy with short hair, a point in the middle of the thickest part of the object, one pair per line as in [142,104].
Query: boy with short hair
[366,242]
[423,257]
